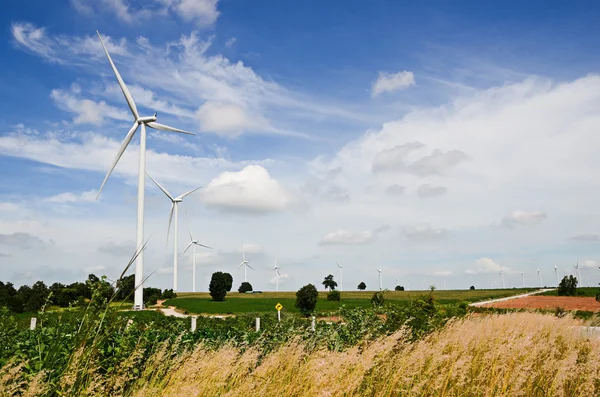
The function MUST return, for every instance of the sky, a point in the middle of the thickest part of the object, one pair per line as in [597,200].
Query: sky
[443,143]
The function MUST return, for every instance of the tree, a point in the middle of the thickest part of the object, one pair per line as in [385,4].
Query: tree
[229,281]
[567,286]
[168,294]
[245,287]
[306,299]
[329,282]
[472,288]
[334,296]
[126,288]
[362,286]
[377,299]
[218,286]
[399,288]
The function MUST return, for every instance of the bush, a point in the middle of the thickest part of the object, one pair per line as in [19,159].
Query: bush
[168,294]
[334,296]
[306,299]
[567,286]
[229,281]
[399,288]
[377,299]
[245,287]
[472,288]
[362,286]
[218,286]
[152,299]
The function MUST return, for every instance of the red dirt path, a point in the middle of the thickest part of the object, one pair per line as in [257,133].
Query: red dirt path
[549,302]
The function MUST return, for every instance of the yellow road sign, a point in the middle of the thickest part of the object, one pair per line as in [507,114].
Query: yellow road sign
[278,306]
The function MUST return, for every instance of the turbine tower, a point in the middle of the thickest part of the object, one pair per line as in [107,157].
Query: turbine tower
[340,267]
[556,272]
[523,278]
[502,275]
[174,209]
[193,243]
[540,277]
[578,268]
[380,282]
[277,275]
[142,122]
[246,265]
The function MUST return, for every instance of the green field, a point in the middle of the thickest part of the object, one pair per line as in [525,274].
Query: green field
[585,291]
[201,303]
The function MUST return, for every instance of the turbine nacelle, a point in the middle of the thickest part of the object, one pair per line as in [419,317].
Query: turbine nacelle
[148,119]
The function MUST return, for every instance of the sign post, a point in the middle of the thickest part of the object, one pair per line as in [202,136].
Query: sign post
[278,307]
[32,323]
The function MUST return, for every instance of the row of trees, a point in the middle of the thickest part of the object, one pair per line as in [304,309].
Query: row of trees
[330,284]
[33,298]
[221,283]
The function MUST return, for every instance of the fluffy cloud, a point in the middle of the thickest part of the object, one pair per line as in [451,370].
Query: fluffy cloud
[249,248]
[346,237]
[202,12]
[123,248]
[21,240]
[426,191]
[518,217]
[589,264]
[8,207]
[87,111]
[423,232]
[69,197]
[394,158]
[251,190]
[389,82]
[487,266]
[227,119]
[437,162]
[592,238]
[395,190]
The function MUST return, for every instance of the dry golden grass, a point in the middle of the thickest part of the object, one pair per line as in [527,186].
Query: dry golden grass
[520,354]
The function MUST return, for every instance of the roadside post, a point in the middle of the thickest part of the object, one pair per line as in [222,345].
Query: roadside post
[33,323]
[278,307]
[257,324]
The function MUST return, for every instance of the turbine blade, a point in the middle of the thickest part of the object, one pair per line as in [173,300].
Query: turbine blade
[273,269]
[161,188]
[188,193]
[250,267]
[241,264]
[189,228]
[202,245]
[170,219]
[126,141]
[162,127]
[124,89]
[279,274]
[186,248]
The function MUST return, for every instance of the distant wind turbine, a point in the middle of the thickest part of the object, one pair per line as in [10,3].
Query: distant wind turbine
[502,275]
[174,209]
[193,243]
[540,277]
[523,278]
[246,265]
[277,275]
[340,267]
[142,122]
[380,282]
[578,268]
[556,272]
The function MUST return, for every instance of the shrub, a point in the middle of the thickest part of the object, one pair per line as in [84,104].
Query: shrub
[399,288]
[245,287]
[218,286]
[377,299]
[334,296]
[168,294]
[229,281]
[567,286]
[152,299]
[362,286]
[472,288]
[306,299]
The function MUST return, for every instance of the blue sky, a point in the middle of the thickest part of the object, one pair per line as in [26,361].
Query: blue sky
[442,142]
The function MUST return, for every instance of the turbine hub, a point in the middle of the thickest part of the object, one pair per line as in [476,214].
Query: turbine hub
[146,119]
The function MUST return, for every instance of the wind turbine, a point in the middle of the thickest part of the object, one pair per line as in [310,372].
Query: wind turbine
[246,265]
[556,272]
[193,243]
[142,122]
[380,282]
[523,278]
[540,277]
[277,275]
[174,208]
[340,267]
[502,275]
[578,268]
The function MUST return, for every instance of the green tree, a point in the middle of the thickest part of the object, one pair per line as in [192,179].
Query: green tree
[472,288]
[306,299]
[377,299]
[218,286]
[334,296]
[567,286]
[168,294]
[362,286]
[126,288]
[245,287]
[329,282]
[399,288]
[229,280]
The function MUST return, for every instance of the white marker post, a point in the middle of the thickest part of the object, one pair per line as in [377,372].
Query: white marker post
[278,307]
[312,323]
[193,324]
[33,323]
[257,324]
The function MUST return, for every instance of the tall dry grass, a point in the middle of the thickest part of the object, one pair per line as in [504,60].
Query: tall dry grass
[520,354]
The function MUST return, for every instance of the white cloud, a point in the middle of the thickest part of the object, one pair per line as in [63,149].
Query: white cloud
[487,266]
[437,162]
[427,190]
[69,197]
[227,119]
[346,237]
[589,264]
[8,207]
[443,273]
[249,248]
[282,278]
[395,190]
[201,12]
[229,43]
[423,232]
[592,238]
[21,240]
[394,158]
[34,39]
[251,190]
[87,111]
[389,82]
[518,217]
[122,248]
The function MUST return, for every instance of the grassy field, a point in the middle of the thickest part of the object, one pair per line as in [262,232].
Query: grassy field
[200,303]
[585,291]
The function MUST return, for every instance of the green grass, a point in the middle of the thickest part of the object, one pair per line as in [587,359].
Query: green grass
[585,292]
[201,303]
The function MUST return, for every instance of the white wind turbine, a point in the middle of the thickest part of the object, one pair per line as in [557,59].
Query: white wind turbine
[523,278]
[174,209]
[340,267]
[380,282]
[142,122]
[277,275]
[246,265]
[502,275]
[578,268]
[193,243]
[556,272]
[540,277]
